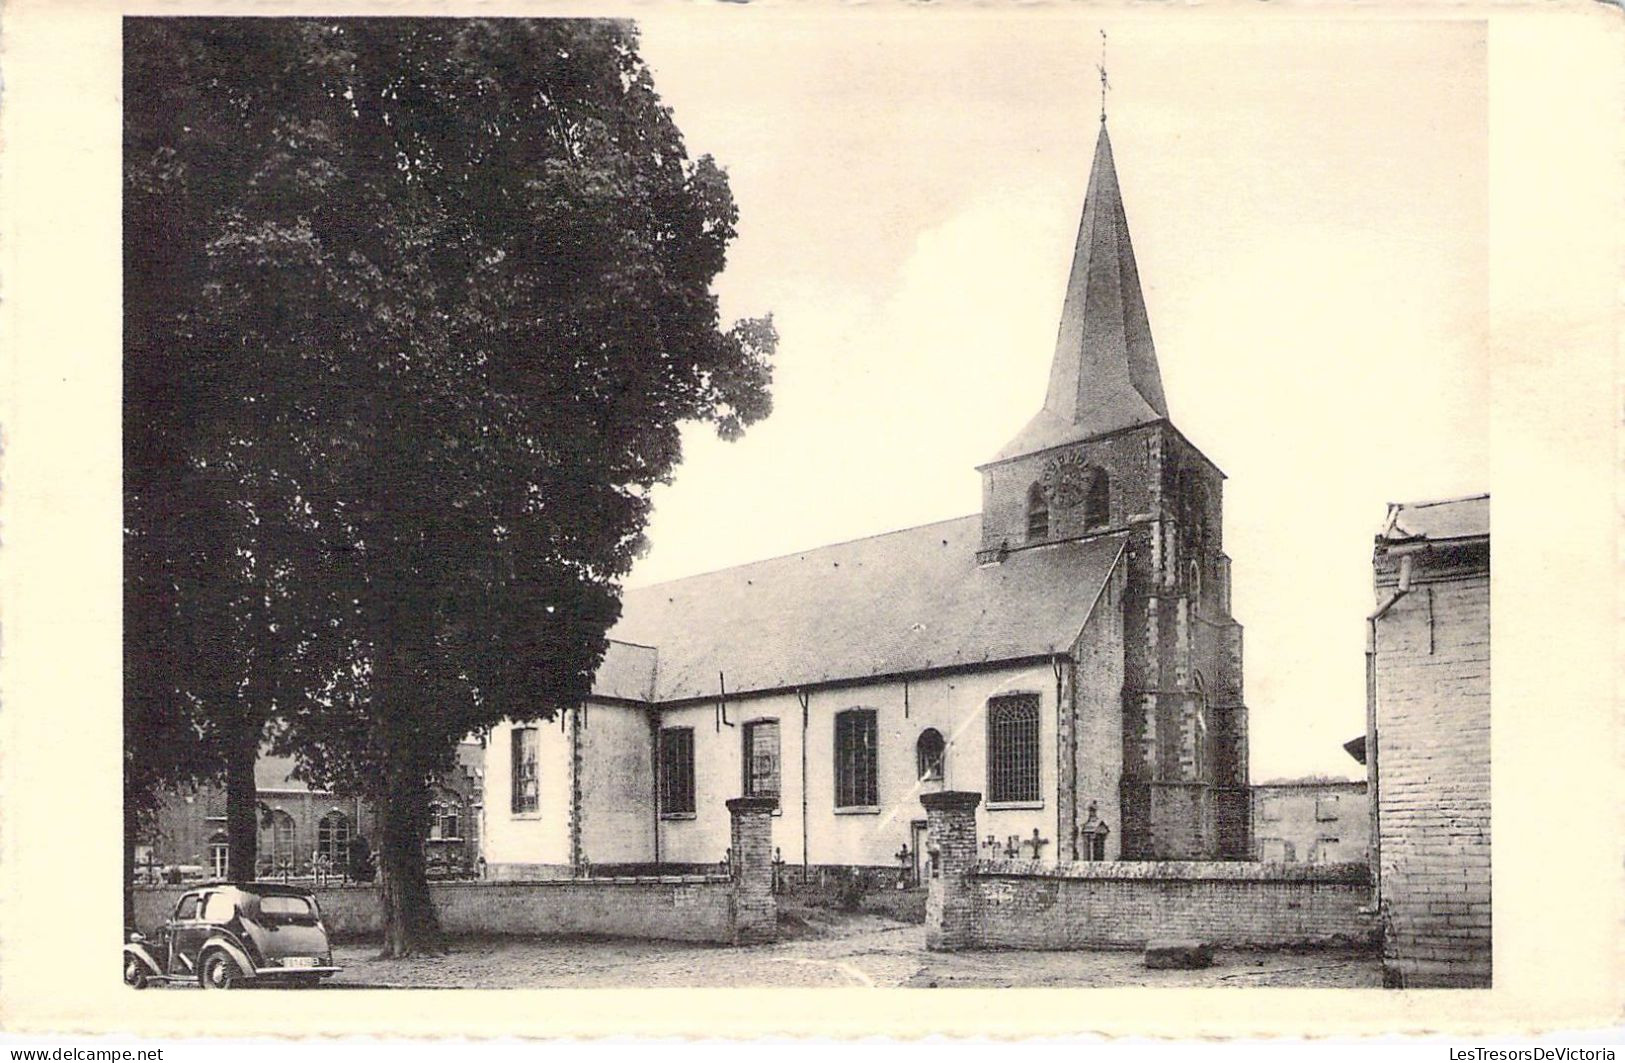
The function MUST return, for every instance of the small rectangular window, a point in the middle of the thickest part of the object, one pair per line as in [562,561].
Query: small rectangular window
[527,794]
[677,771]
[1326,807]
[856,749]
[762,758]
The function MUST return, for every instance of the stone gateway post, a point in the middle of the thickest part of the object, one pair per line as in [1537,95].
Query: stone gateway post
[755,910]
[950,906]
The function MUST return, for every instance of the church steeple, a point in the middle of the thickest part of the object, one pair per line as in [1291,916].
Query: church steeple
[1104,376]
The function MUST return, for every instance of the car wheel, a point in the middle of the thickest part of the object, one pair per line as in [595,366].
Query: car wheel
[220,971]
[135,973]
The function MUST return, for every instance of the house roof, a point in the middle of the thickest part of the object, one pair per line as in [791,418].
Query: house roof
[1453,518]
[276,773]
[1104,375]
[1310,783]
[906,601]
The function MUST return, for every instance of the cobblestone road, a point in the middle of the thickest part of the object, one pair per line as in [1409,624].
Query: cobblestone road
[860,951]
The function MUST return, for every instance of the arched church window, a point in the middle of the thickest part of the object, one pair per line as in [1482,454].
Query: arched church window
[929,753]
[1037,513]
[1012,748]
[1097,503]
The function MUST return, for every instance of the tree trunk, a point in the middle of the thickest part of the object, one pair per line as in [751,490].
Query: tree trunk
[411,925]
[242,810]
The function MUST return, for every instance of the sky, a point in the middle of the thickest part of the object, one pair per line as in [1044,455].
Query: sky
[1308,202]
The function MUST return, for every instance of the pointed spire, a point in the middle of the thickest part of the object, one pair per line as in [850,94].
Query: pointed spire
[1105,374]
[1105,371]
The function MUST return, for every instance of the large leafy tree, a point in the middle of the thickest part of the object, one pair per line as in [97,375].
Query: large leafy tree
[422,303]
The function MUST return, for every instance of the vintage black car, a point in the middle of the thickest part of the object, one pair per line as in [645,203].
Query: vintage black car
[224,935]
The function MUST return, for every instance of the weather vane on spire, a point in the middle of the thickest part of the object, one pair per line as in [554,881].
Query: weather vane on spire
[1105,85]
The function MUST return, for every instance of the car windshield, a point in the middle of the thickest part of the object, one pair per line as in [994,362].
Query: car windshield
[281,906]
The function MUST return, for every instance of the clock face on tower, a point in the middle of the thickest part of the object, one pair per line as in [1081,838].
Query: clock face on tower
[1066,479]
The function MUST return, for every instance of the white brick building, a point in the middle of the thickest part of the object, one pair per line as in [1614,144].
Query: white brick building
[1429,728]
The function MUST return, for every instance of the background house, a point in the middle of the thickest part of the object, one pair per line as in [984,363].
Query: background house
[305,832]
[1311,821]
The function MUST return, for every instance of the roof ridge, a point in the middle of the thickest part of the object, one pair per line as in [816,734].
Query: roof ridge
[1440,501]
[797,553]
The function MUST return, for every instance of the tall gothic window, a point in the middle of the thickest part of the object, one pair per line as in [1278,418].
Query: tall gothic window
[1012,748]
[1097,503]
[527,789]
[677,771]
[929,752]
[856,742]
[1037,513]
[761,738]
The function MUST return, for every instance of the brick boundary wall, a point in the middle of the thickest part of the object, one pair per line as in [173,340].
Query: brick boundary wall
[725,909]
[673,908]
[1122,905]
[1125,905]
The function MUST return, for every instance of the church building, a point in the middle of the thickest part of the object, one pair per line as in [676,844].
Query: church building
[1068,653]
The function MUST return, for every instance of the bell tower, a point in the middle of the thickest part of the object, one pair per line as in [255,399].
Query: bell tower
[1102,457]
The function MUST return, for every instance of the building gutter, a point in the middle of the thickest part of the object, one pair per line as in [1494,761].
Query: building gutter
[805,698]
[654,743]
[1373,783]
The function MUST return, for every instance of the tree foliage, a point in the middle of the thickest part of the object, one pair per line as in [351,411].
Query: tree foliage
[418,306]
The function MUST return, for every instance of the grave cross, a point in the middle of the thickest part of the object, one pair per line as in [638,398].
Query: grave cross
[1035,843]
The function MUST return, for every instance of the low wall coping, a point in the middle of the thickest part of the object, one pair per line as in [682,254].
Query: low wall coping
[1353,874]
[476,884]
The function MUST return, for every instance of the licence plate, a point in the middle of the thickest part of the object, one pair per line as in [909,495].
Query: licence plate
[299,961]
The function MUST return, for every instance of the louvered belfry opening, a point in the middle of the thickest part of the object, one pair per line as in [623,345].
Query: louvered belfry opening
[1037,513]
[1012,748]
